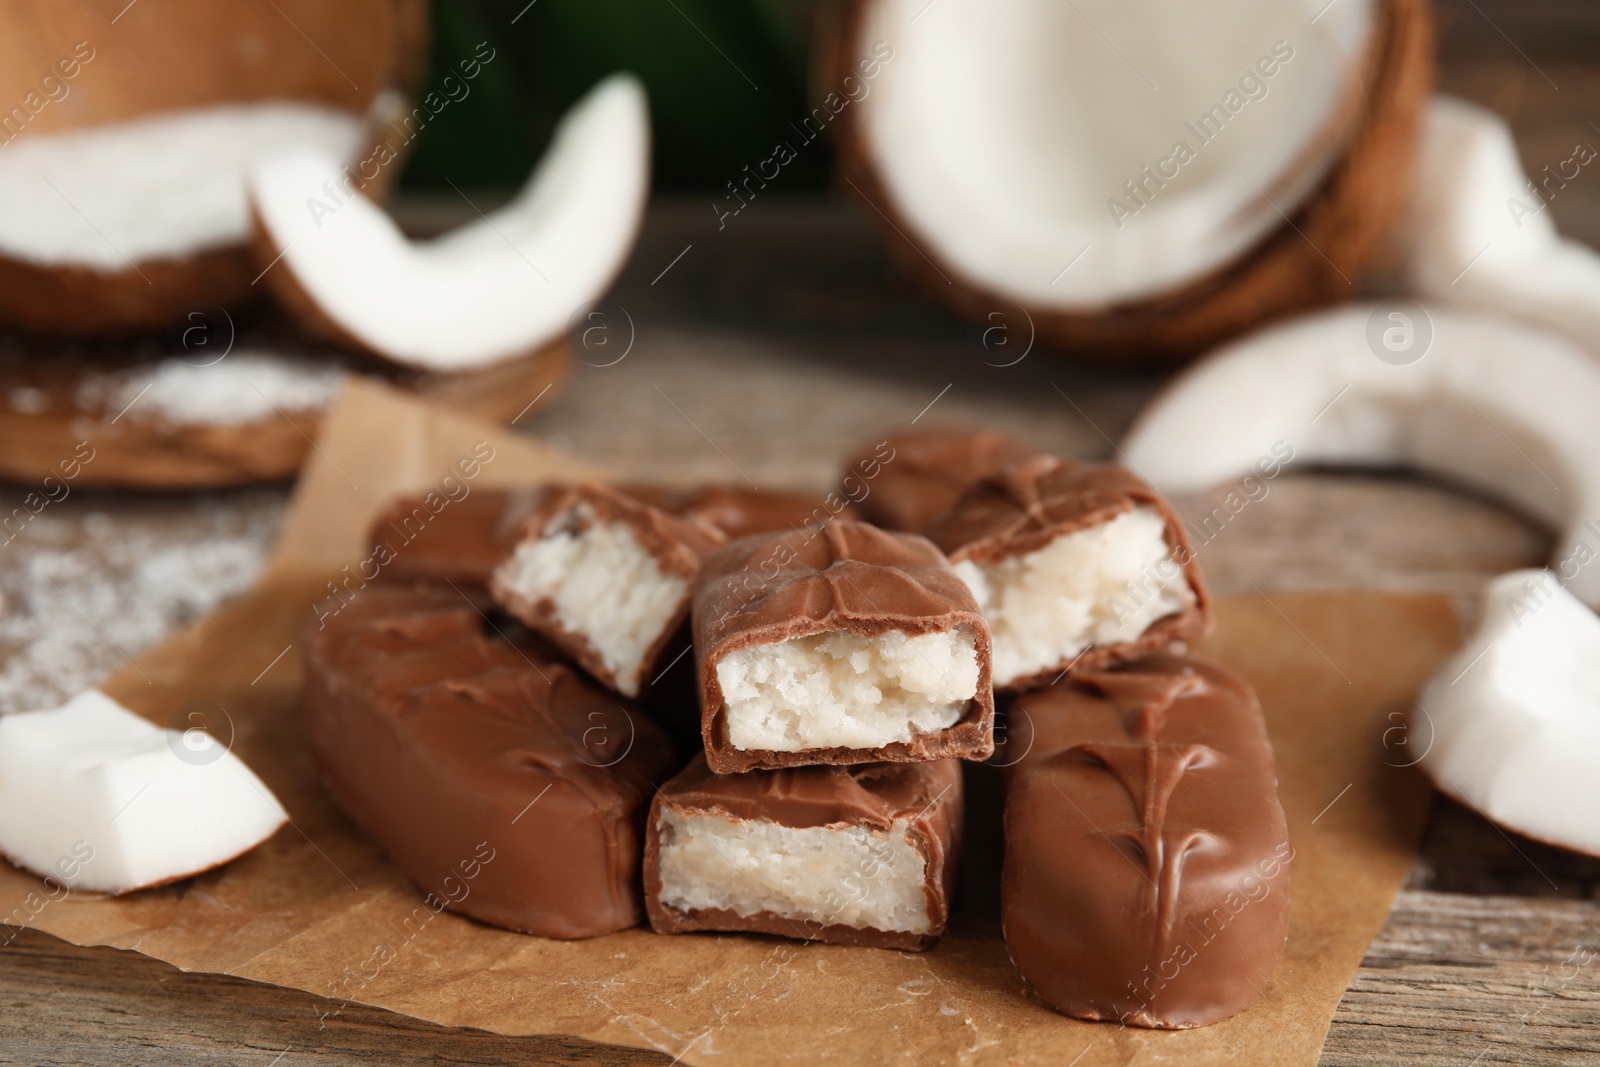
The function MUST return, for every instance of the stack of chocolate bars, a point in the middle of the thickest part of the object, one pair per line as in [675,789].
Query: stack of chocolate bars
[496,713]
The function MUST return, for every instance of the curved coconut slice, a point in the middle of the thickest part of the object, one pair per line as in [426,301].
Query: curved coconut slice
[98,798]
[1123,172]
[1502,407]
[1480,234]
[1512,721]
[488,291]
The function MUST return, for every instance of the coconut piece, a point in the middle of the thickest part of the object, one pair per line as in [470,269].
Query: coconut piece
[1480,234]
[491,290]
[1511,723]
[863,855]
[1121,176]
[905,480]
[98,798]
[122,163]
[603,577]
[1501,407]
[204,420]
[839,644]
[170,55]
[1073,565]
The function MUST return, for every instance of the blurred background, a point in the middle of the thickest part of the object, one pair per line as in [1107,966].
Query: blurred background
[726,77]
[711,115]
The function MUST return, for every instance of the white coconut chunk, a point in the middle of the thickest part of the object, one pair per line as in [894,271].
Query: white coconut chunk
[1004,133]
[1099,586]
[162,187]
[836,875]
[839,689]
[603,584]
[98,798]
[1511,724]
[1480,234]
[1500,406]
[498,287]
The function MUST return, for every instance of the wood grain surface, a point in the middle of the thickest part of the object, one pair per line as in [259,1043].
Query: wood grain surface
[760,352]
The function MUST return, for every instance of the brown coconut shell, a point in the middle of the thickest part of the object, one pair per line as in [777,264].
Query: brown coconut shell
[141,453]
[167,55]
[1317,258]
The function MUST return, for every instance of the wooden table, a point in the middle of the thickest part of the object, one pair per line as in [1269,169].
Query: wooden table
[761,352]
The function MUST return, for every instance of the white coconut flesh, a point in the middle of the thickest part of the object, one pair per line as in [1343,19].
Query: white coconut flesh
[98,798]
[158,188]
[1511,723]
[1499,406]
[1480,231]
[1003,131]
[493,289]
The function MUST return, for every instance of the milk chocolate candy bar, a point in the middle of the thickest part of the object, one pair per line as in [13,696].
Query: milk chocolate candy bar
[905,480]
[503,784]
[604,578]
[739,512]
[838,644]
[1146,875]
[430,538]
[862,855]
[1075,565]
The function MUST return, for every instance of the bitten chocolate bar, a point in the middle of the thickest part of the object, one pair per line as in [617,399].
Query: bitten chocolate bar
[739,512]
[1146,875]
[604,578]
[840,644]
[905,480]
[862,855]
[1073,564]
[500,782]
[429,538]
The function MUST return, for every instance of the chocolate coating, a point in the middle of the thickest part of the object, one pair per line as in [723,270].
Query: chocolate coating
[676,544]
[461,542]
[1147,858]
[465,540]
[847,576]
[1029,504]
[927,795]
[910,478]
[502,784]
[740,512]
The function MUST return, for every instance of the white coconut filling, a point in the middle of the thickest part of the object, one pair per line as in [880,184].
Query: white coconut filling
[838,689]
[1098,586]
[1004,133]
[162,187]
[831,875]
[603,584]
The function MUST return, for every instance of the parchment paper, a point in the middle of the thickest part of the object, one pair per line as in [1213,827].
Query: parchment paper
[319,908]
